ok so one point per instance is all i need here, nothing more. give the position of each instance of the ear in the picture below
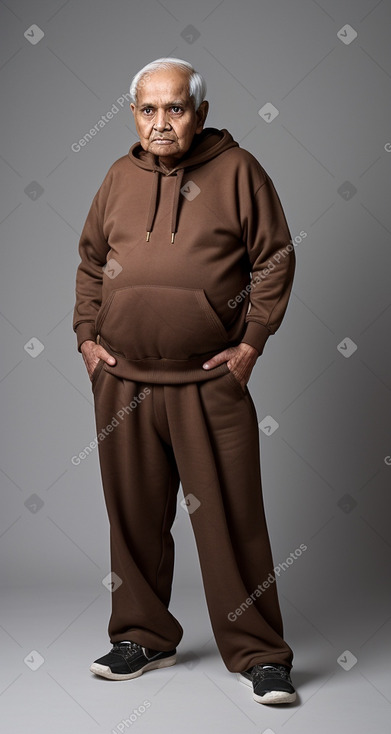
(132, 107)
(201, 115)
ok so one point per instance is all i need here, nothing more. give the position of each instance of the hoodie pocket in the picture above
(96, 373)
(160, 322)
(236, 384)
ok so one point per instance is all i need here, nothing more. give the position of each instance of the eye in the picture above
(147, 110)
(176, 109)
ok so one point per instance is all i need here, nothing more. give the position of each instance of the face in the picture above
(165, 118)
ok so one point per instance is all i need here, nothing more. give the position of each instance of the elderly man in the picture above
(186, 269)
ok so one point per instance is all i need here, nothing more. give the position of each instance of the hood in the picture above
(206, 145)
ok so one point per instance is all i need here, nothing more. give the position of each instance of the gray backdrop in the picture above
(324, 378)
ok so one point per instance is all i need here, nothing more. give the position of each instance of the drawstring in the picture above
(153, 203)
(174, 212)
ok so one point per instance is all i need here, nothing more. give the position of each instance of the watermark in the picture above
(120, 414)
(259, 277)
(268, 112)
(144, 79)
(190, 190)
(101, 123)
(190, 34)
(347, 347)
(347, 34)
(34, 660)
(347, 503)
(347, 660)
(268, 425)
(112, 582)
(124, 724)
(112, 268)
(190, 503)
(34, 503)
(277, 570)
(34, 34)
(33, 347)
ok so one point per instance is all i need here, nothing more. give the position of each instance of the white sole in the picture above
(105, 672)
(271, 696)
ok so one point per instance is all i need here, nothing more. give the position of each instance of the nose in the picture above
(161, 122)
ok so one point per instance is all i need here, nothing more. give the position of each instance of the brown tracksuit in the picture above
(176, 267)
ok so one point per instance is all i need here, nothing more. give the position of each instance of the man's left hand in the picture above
(240, 361)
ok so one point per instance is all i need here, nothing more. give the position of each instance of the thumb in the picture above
(216, 360)
(108, 358)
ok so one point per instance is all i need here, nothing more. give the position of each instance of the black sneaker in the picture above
(129, 660)
(271, 683)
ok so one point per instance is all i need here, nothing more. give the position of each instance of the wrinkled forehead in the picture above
(163, 87)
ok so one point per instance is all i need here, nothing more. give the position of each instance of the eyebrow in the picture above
(177, 102)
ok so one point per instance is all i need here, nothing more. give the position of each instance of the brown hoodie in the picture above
(177, 266)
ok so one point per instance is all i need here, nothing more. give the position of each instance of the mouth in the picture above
(162, 140)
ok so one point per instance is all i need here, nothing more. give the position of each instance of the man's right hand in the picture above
(92, 353)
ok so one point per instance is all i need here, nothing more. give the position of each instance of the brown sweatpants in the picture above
(204, 434)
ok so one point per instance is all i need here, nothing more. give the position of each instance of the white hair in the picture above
(197, 83)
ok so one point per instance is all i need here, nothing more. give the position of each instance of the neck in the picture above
(167, 163)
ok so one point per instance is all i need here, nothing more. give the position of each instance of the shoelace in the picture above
(260, 672)
(130, 647)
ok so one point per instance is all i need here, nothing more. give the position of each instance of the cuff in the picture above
(84, 331)
(256, 335)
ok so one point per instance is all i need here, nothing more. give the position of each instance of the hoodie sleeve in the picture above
(272, 259)
(93, 249)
